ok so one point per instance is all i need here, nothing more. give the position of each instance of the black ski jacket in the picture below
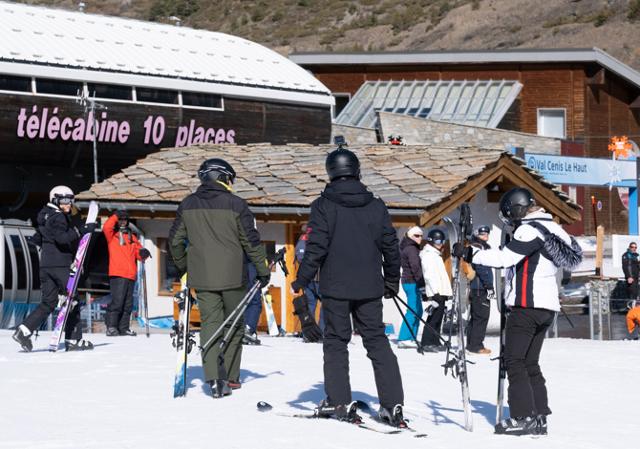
(352, 242)
(60, 237)
(484, 275)
(630, 265)
(410, 262)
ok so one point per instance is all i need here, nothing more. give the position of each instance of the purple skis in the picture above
(72, 283)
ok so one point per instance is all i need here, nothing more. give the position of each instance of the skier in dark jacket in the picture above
(354, 245)
(412, 284)
(212, 230)
(531, 294)
(481, 294)
(58, 235)
(631, 269)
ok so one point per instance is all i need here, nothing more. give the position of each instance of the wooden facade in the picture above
(598, 103)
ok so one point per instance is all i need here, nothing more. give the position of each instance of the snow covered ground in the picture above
(120, 396)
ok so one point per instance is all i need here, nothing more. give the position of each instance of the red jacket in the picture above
(122, 257)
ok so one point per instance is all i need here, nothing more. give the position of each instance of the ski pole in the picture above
(406, 323)
(422, 320)
(278, 259)
(252, 291)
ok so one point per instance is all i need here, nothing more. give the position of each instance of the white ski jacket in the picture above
(531, 275)
(435, 275)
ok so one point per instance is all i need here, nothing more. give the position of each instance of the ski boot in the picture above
(22, 335)
(517, 426)
(128, 333)
(393, 417)
(78, 345)
(250, 338)
(112, 332)
(542, 424)
(340, 412)
(220, 388)
(235, 384)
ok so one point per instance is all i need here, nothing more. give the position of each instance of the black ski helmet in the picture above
(483, 230)
(514, 205)
(436, 236)
(342, 163)
(216, 169)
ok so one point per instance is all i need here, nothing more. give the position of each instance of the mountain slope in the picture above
(388, 25)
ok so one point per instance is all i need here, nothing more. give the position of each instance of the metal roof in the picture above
(39, 41)
(477, 103)
(569, 55)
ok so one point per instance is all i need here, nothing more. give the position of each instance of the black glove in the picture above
(122, 215)
(144, 253)
(464, 252)
(296, 286)
(264, 280)
(35, 239)
(87, 228)
(310, 329)
(391, 289)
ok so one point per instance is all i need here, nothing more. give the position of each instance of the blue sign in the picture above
(583, 170)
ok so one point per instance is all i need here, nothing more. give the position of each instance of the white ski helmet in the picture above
(61, 195)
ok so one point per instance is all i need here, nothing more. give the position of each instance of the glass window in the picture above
(16, 83)
(21, 264)
(157, 95)
(58, 87)
(551, 123)
(202, 100)
(8, 269)
(35, 267)
(110, 91)
(341, 103)
(168, 274)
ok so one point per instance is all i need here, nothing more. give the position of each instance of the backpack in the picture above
(559, 252)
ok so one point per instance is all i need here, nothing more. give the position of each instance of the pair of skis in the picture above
(77, 266)
(457, 234)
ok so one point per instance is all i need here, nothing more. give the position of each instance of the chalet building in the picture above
(70, 79)
(419, 183)
(583, 96)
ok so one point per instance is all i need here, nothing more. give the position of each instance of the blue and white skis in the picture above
(72, 283)
(182, 338)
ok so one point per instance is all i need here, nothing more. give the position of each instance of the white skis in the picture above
(182, 338)
(272, 325)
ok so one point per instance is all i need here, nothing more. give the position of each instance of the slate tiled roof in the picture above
(407, 177)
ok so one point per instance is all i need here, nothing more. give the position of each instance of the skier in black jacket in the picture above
(481, 294)
(354, 245)
(631, 269)
(58, 234)
(412, 284)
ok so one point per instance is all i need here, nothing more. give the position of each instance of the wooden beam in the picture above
(598, 79)
(635, 104)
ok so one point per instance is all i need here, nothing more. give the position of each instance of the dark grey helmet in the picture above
(342, 163)
(216, 169)
(514, 205)
(436, 236)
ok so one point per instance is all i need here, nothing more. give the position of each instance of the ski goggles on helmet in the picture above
(65, 199)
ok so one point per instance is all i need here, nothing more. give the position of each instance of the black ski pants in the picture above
(525, 333)
(367, 318)
(53, 281)
(480, 311)
(434, 320)
(119, 310)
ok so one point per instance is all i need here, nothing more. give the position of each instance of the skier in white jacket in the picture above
(437, 289)
(532, 299)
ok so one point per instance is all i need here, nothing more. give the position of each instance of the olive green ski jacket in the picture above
(207, 239)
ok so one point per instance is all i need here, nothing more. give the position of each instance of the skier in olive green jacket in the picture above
(212, 229)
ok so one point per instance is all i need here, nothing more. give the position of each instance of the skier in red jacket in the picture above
(124, 252)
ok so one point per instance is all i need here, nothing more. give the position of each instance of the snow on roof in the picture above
(566, 55)
(94, 43)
